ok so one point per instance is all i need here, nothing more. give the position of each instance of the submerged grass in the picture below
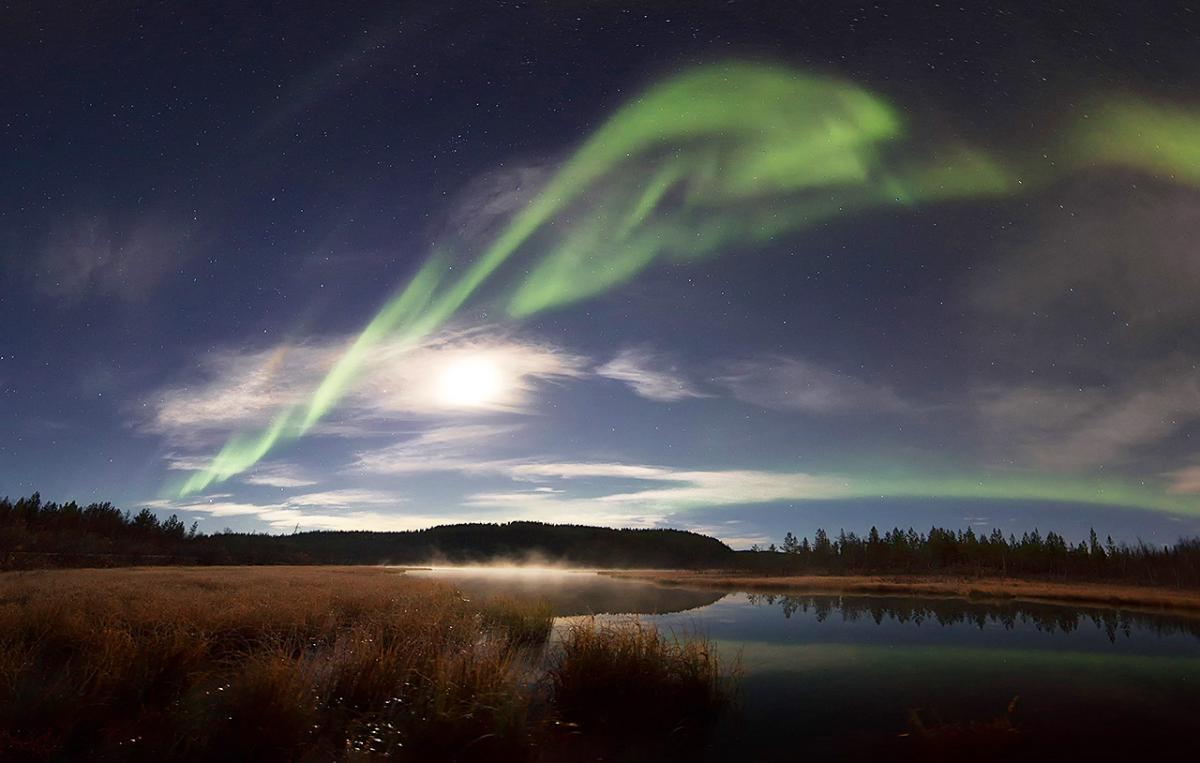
(306, 664)
(929, 738)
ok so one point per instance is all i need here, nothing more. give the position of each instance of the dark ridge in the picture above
(468, 543)
(34, 534)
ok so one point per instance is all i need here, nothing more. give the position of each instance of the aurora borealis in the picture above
(727, 285)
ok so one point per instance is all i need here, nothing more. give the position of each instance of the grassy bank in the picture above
(310, 664)
(1182, 601)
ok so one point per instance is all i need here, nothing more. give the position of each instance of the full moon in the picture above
(471, 382)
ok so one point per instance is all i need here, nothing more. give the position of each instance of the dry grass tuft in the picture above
(626, 682)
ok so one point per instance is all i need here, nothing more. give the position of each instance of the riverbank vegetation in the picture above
(287, 663)
(1133, 597)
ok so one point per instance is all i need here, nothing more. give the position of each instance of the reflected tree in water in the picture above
(1113, 623)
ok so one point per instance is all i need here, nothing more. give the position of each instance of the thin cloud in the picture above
(350, 509)
(596, 493)
(237, 390)
(454, 448)
(471, 451)
(566, 471)
(648, 376)
(1119, 264)
(344, 499)
(788, 383)
(92, 256)
(683, 489)
(186, 463)
(1077, 428)
(325, 514)
(478, 212)
(1095, 294)
(1184, 481)
(274, 475)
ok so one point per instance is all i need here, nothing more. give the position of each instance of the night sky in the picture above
(734, 267)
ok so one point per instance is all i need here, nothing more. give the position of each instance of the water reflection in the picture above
(840, 676)
(1009, 615)
(846, 673)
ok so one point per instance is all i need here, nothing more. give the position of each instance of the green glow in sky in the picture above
(1141, 135)
(1067, 489)
(720, 158)
(724, 158)
(406, 314)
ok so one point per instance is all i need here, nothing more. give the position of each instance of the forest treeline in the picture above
(898, 551)
(34, 533)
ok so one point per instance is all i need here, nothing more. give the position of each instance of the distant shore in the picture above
(1183, 601)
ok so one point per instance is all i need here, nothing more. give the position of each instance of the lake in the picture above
(836, 677)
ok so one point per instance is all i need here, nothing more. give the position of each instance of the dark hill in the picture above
(468, 543)
(34, 533)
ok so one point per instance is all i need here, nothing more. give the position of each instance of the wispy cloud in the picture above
(682, 489)
(234, 389)
(345, 499)
(588, 491)
(789, 383)
(1130, 252)
(583, 470)
(91, 255)
(487, 203)
(455, 448)
(346, 510)
(186, 463)
(1185, 481)
(350, 509)
(649, 376)
(1078, 428)
(274, 475)
(1090, 298)
(469, 450)
(237, 390)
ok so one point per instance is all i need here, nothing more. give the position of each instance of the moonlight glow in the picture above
(471, 382)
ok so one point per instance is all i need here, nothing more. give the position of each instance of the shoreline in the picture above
(1143, 598)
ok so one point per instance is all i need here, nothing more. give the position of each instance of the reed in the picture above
(625, 682)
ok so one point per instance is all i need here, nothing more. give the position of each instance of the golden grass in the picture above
(276, 662)
(623, 682)
(1181, 601)
(279, 663)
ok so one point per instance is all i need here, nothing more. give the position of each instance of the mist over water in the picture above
(571, 592)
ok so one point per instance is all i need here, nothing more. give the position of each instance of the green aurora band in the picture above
(733, 156)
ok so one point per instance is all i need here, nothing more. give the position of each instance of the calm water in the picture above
(834, 677)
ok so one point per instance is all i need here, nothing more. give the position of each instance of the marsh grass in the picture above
(304, 663)
(625, 683)
(280, 663)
